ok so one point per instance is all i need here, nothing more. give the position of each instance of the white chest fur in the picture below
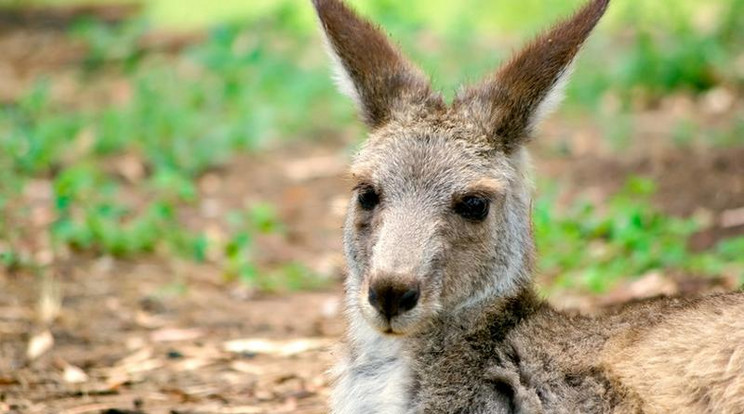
(373, 377)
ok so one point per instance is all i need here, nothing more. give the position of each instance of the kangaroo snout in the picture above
(392, 298)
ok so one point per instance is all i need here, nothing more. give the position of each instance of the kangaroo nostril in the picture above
(372, 297)
(392, 299)
(409, 299)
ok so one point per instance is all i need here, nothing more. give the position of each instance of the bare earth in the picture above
(164, 336)
(153, 336)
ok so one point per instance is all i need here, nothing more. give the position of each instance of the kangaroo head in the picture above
(440, 213)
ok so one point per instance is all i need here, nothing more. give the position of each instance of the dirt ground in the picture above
(155, 336)
(128, 338)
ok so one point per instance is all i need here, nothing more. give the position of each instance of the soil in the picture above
(147, 349)
(101, 335)
(154, 336)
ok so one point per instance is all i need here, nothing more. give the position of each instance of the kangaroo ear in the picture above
(530, 85)
(368, 68)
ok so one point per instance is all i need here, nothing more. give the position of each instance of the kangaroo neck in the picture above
(498, 315)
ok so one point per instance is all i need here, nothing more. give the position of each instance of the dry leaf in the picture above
(732, 218)
(149, 365)
(650, 285)
(175, 334)
(39, 344)
(143, 366)
(718, 101)
(192, 364)
(138, 362)
(130, 167)
(149, 321)
(247, 368)
(281, 348)
(73, 374)
(49, 304)
(137, 357)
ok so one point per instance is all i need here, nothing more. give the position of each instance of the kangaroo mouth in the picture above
(395, 328)
(387, 328)
(391, 332)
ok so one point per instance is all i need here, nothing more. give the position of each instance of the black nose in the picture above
(392, 299)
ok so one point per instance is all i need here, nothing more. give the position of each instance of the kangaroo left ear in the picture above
(530, 85)
(369, 69)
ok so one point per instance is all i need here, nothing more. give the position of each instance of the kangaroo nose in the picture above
(392, 300)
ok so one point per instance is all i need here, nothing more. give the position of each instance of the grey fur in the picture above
(479, 340)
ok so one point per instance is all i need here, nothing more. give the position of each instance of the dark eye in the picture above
(368, 198)
(472, 208)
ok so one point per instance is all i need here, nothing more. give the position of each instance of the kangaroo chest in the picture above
(473, 375)
(376, 379)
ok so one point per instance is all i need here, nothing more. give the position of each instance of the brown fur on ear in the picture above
(510, 103)
(373, 71)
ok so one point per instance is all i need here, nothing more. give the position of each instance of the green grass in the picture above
(234, 93)
(594, 248)
(261, 77)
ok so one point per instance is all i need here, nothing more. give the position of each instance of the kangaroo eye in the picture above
(472, 207)
(368, 198)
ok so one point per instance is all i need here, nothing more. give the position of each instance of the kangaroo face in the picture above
(439, 216)
(428, 225)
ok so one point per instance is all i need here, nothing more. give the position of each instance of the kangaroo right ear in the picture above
(510, 103)
(368, 68)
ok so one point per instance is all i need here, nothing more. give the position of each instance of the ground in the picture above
(144, 344)
(170, 336)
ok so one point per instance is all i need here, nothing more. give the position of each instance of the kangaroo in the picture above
(443, 316)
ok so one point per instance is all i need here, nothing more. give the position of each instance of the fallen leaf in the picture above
(130, 167)
(650, 285)
(271, 347)
(718, 101)
(138, 362)
(732, 218)
(74, 375)
(175, 334)
(144, 366)
(137, 357)
(192, 364)
(149, 321)
(49, 304)
(247, 368)
(39, 344)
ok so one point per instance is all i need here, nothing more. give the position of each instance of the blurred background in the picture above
(172, 184)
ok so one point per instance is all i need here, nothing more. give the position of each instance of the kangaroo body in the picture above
(521, 356)
(442, 312)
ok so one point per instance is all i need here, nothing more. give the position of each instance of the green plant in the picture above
(184, 115)
(594, 248)
(256, 81)
(240, 250)
(108, 44)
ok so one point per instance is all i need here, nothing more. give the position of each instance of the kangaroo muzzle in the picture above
(392, 297)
